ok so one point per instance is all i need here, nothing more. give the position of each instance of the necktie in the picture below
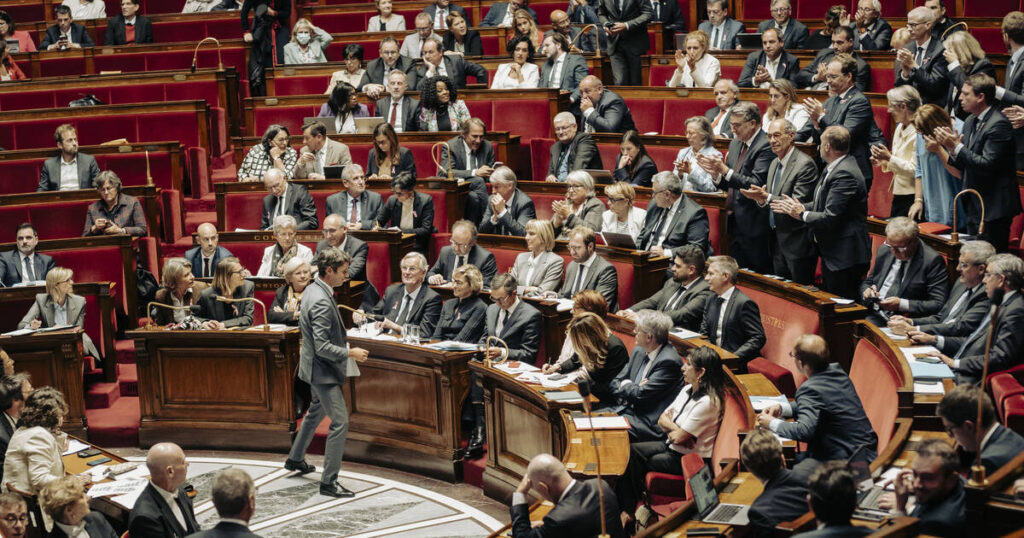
(657, 9)
(718, 119)
(29, 270)
(918, 55)
(1012, 70)
(403, 313)
(743, 155)
(955, 311)
(974, 336)
(578, 285)
(459, 262)
(394, 113)
(206, 267)
(441, 15)
(502, 318)
(354, 214)
(383, 28)
(319, 161)
(640, 372)
(891, 287)
(556, 75)
(714, 39)
(771, 189)
(652, 241)
(719, 330)
(280, 207)
(675, 298)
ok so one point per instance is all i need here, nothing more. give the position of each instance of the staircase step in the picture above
(93, 375)
(194, 218)
(128, 379)
(102, 395)
(115, 426)
(125, 350)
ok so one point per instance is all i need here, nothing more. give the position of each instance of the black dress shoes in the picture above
(301, 466)
(336, 490)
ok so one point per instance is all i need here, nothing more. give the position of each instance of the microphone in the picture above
(192, 309)
(978, 470)
(583, 385)
(367, 315)
(437, 160)
(266, 323)
(586, 30)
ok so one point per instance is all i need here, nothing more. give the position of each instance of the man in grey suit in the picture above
(793, 32)
(684, 296)
(726, 94)
(470, 158)
(625, 22)
(412, 45)
(208, 254)
(285, 198)
(356, 205)
(562, 69)
(921, 62)
(959, 413)
(720, 27)
(324, 364)
(24, 264)
(792, 173)
(508, 209)
(573, 150)
(463, 251)
(456, 68)
(70, 170)
(965, 307)
(770, 63)
(673, 219)
(603, 110)
(502, 13)
(409, 301)
(588, 270)
(234, 496)
(336, 236)
(399, 109)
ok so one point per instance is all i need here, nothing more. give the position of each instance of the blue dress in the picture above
(938, 186)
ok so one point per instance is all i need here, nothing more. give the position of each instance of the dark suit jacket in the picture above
(837, 531)
(518, 211)
(795, 36)
(957, 76)
(574, 69)
(116, 31)
(575, 516)
(798, 180)
(460, 168)
(602, 379)
(730, 27)
(988, 164)
(165, 316)
(375, 72)
(478, 256)
(946, 516)
(471, 41)
(751, 219)
(1007, 344)
(689, 226)
(467, 325)
(226, 529)
(406, 163)
(496, 13)
(784, 498)
(601, 276)
(457, 68)
(805, 78)
(297, 202)
(369, 205)
(836, 219)
(965, 319)
(211, 308)
(1014, 95)
(410, 111)
(95, 524)
(878, 37)
(712, 113)
(925, 280)
(931, 78)
(854, 113)
(644, 398)
(78, 35)
(49, 175)
(194, 256)
(611, 115)
(1003, 445)
(830, 417)
(743, 333)
(669, 15)
(425, 310)
(636, 14)
(390, 214)
(152, 517)
(10, 266)
(689, 309)
(640, 175)
(357, 249)
(521, 331)
(788, 68)
(583, 154)
(431, 10)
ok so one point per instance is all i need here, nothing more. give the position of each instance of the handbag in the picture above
(87, 100)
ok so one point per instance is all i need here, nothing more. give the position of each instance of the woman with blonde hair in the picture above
(297, 274)
(462, 316)
(307, 45)
(939, 181)
(58, 307)
(228, 281)
(524, 25)
(64, 500)
(538, 269)
(180, 288)
(601, 354)
(966, 58)
(622, 217)
(783, 104)
(907, 195)
(695, 68)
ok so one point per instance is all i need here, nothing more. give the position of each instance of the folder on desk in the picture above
(600, 423)
(562, 395)
(924, 370)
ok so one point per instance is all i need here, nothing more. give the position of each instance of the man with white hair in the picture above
(871, 32)
(909, 277)
(164, 509)
(792, 32)
(357, 206)
(408, 302)
(673, 219)
(921, 62)
(577, 509)
(284, 198)
(336, 235)
(966, 304)
(463, 251)
(234, 496)
(508, 208)
(573, 149)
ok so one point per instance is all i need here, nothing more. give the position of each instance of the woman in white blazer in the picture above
(696, 68)
(540, 269)
(59, 306)
(622, 217)
(907, 186)
(521, 72)
(385, 20)
(34, 452)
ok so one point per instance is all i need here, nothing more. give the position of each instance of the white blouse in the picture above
(394, 24)
(797, 115)
(699, 418)
(344, 76)
(903, 163)
(634, 222)
(704, 74)
(96, 9)
(502, 80)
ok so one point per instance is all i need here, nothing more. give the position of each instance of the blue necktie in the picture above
(771, 189)
(974, 336)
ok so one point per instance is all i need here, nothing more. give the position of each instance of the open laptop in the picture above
(333, 172)
(328, 123)
(749, 41)
(868, 492)
(367, 125)
(709, 508)
(601, 177)
(619, 240)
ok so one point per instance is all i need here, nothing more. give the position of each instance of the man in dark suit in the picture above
(732, 321)
(813, 77)
(70, 169)
(502, 13)
(462, 251)
(358, 206)
(909, 277)
(562, 69)
(375, 80)
(153, 514)
(440, 9)
(684, 296)
(832, 496)
(13, 391)
(336, 235)
(129, 27)
(667, 12)
(24, 264)
(828, 413)
(588, 270)
(409, 301)
(836, 219)
(726, 93)
(625, 21)
(436, 62)
(561, 25)
(573, 150)
(650, 381)
(720, 27)
(769, 63)
(65, 34)
(577, 509)
(287, 199)
(941, 26)
(470, 158)
(508, 209)
(958, 410)
(872, 32)
(939, 497)
(784, 497)
(399, 109)
(793, 32)
(1012, 93)
(793, 174)
(673, 220)
(234, 496)
(745, 166)
(208, 254)
(325, 363)
(920, 62)
(603, 110)
(403, 185)
(985, 157)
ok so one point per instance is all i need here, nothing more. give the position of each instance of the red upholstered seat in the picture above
(243, 210)
(991, 39)
(882, 80)
(778, 375)
(663, 156)
(1004, 384)
(714, 231)
(647, 114)
(990, 8)
(609, 155)
(783, 323)
(660, 74)
(521, 117)
(732, 72)
(877, 383)
(1013, 413)
(665, 491)
(677, 111)
(880, 197)
(734, 421)
(540, 157)
(299, 85)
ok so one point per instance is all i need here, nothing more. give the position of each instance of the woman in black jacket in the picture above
(601, 354)
(460, 39)
(962, 47)
(634, 166)
(462, 317)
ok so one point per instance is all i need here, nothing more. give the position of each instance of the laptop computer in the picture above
(868, 492)
(367, 125)
(749, 41)
(709, 509)
(601, 177)
(333, 172)
(619, 240)
(328, 123)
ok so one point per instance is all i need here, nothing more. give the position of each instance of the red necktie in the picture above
(394, 112)
(354, 217)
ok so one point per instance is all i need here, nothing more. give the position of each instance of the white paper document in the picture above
(564, 305)
(684, 333)
(928, 388)
(118, 488)
(515, 367)
(761, 403)
(74, 445)
(893, 336)
(19, 332)
(601, 423)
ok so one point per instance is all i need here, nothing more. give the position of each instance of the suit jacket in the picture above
(751, 219)
(988, 165)
(573, 516)
(931, 78)
(574, 69)
(406, 163)
(44, 308)
(1014, 95)
(78, 35)
(390, 214)
(793, 38)
(636, 14)
(6, 431)
(484, 155)
(457, 68)
(518, 211)
(165, 316)
(337, 155)
(854, 113)
(925, 280)
(640, 175)
(788, 68)
(1007, 344)
(830, 417)
(547, 276)
(496, 14)
(375, 72)
(369, 205)
(357, 249)
(610, 115)
(425, 309)
(836, 220)
(1003, 445)
(644, 398)
(95, 524)
(798, 180)
(431, 10)
(668, 14)
(965, 319)
(472, 44)
(601, 276)
(323, 355)
(521, 331)
(689, 226)
(478, 256)
(784, 498)
(226, 529)
(194, 256)
(49, 175)
(410, 111)
(730, 28)
(585, 43)
(590, 216)
(957, 77)
(837, 531)
(603, 378)
(743, 333)
(462, 320)
(116, 31)
(583, 154)
(713, 112)
(689, 309)
(946, 516)
(10, 266)
(297, 202)
(805, 78)
(211, 308)
(878, 37)
(151, 515)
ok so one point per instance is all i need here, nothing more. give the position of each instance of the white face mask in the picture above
(302, 38)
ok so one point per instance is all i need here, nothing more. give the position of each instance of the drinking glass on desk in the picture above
(411, 334)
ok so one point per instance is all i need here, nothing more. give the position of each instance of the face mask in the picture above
(302, 38)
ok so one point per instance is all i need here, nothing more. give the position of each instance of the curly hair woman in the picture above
(440, 106)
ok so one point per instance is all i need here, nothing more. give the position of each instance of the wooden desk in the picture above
(950, 250)
(241, 400)
(54, 359)
(997, 515)
(580, 456)
(73, 465)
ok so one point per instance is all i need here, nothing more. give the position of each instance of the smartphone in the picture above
(88, 453)
(497, 164)
(100, 461)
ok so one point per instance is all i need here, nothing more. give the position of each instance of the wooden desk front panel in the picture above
(53, 359)
(232, 380)
(526, 432)
(375, 409)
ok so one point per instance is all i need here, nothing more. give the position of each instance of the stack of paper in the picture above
(761, 403)
(929, 387)
(567, 396)
(74, 445)
(564, 305)
(893, 336)
(452, 345)
(515, 367)
(925, 370)
(684, 333)
(601, 423)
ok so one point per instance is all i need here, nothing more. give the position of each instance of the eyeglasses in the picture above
(896, 248)
(11, 518)
(616, 200)
(913, 25)
(572, 187)
(780, 10)
(457, 244)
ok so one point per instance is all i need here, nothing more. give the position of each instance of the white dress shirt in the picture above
(704, 74)
(721, 314)
(556, 71)
(504, 81)
(68, 174)
(169, 498)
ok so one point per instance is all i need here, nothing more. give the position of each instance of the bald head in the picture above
(167, 466)
(548, 476)
(812, 351)
(208, 239)
(559, 18)
(334, 230)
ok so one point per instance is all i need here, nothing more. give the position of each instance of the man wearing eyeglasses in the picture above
(871, 31)
(794, 33)
(13, 516)
(408, 302)
(813, 77)
(921, 62)
(573, 150)
(673, 219)
(463, 251)
(909, 277)
(355, 204)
